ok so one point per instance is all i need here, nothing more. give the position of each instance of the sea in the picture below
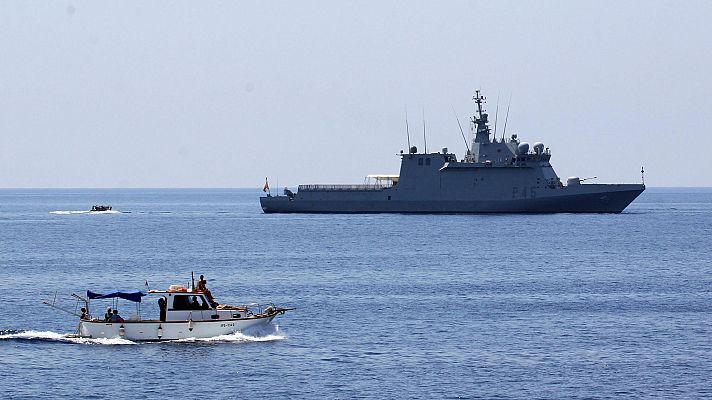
(390, 306)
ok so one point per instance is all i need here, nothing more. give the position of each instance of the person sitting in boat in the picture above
(204, 289)
(84, 315)
(108, 315)
(116, 317)
(194, 303)
(201, 284)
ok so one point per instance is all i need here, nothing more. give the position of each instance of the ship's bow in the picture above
(601, 198)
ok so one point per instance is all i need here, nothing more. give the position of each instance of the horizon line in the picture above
(234, 187)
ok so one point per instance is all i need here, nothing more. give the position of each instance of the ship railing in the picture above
(362, 187)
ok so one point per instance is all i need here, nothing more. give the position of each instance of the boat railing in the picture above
(259, 308)
(362, 187)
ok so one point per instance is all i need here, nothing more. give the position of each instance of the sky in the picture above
(225, 93)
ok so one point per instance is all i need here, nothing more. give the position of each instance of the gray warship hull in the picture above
(497, 175)
(589, 198)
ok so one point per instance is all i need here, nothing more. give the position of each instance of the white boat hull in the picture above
(170, 330)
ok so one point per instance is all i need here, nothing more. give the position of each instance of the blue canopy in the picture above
(130, 296)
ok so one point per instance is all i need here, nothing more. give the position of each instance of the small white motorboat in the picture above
(184, 314)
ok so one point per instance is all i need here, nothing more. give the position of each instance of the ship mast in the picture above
(482, 131)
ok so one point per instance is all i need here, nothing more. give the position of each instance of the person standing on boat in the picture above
(162, 303)
(108, 315)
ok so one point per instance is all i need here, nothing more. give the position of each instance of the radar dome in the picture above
(538, 147)
(413, 150)
(523, 148)
(444, 150)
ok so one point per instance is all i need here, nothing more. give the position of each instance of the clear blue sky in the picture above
(222, 94)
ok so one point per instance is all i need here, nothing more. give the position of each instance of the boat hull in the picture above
(170, 330)
(589, 198)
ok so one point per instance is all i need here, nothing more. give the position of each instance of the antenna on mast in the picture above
(407, 132)
(496, 114)
(425, 142)
(507, 117)
(461, 131)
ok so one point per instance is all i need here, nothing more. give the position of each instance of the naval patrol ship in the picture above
(495, 176)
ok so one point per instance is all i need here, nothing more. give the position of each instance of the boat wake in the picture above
(263, 335)
(49, 336)
(60, 212)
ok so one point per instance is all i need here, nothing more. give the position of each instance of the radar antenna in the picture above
(642, 175)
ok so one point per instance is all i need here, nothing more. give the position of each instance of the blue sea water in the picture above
(388, 306)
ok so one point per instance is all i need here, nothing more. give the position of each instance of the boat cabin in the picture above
(184, 305)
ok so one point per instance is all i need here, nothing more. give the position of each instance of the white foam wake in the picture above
(49, 336)
(265, 334)
(68, 212)
(235, 337)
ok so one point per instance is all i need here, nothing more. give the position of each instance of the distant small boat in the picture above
(101, 208)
